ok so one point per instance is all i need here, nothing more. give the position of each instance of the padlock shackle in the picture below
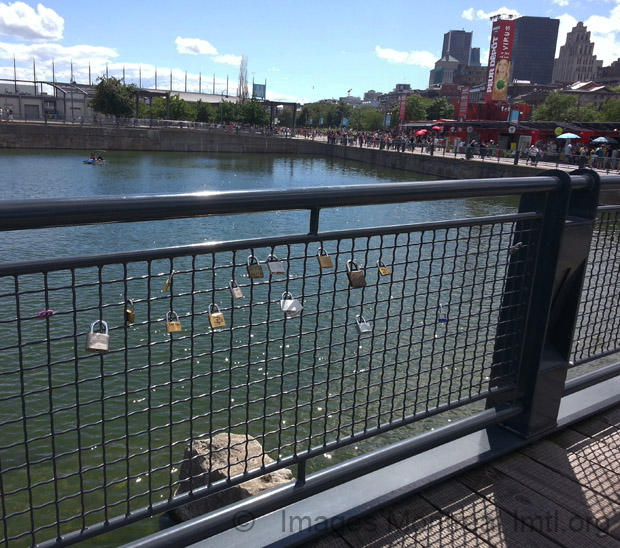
(287, 296)
(131, 304)
(170, 314)
(213, 307)
(360, 319)
(351, 263)
(102, 324)
(252, 260)
(322, 253)
(232, 284)
(380, 263)
(272, 259)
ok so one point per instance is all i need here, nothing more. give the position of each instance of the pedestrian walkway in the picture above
(561, 491)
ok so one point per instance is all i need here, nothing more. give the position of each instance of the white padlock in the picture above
(290, 306)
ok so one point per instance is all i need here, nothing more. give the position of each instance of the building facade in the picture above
(576, 61)
(533, 50)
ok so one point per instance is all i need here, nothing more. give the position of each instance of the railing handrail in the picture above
(48, 213)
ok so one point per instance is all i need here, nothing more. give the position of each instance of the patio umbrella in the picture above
(568, 136)
(421, 132)
(437, 128)
(609, 140)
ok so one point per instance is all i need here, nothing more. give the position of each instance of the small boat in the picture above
(96, 157)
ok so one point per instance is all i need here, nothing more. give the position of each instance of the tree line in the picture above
(561, 107)
(113, 98)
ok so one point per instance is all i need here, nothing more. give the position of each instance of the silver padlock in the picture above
(98, 341)
(275, 265)
(290, 306)
(235, 290)
(362, 325)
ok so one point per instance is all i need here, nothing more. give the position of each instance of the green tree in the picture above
(416, 108)
(113, 98)
(371, 119)
(181, 109)
(252, 111)
(439, 108)
(558, 107)
(228, 112)
(205, 112)
(610, 111)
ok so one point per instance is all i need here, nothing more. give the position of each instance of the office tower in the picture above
(533, 49)
(576, 62)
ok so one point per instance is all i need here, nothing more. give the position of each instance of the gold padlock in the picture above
(168, 282)
(130, 315)
(173, 325)
(216, 318)
(356, 276)
(325, 261)
(384, 270)
(255, 270)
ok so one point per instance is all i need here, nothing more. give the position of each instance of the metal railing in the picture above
(338, 338)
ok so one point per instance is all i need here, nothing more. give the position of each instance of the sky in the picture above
(303, 51)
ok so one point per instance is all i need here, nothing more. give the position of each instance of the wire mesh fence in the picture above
(304, 346)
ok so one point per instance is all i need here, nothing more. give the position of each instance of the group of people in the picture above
(602, 156)
(8, 112)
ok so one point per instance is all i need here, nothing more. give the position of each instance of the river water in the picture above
(50, 174)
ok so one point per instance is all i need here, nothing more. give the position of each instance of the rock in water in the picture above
(218, 458)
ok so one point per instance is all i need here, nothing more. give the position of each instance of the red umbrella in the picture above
(437, 128)
(421, 132)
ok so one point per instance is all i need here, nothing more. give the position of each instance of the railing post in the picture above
(547, 331)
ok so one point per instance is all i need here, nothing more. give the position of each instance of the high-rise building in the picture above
(533, 49)
(576, 62)
(457, 44)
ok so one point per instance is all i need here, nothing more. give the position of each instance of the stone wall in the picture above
(76, 137)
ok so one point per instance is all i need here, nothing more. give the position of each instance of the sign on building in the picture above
(259, 91)
(500, 56)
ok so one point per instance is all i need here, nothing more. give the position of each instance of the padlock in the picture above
(255, 270)
(290, 306)
(235, 290)
(216, 318)
(325, 261)
(362, 325)
(98, 341)
(356, 276)
(442, 317)
(384, 270)
(173, 325)
(130, 315)
(168, 282)
(275, 265)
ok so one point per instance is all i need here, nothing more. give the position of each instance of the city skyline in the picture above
(303, 56)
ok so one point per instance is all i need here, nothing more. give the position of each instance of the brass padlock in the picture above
(168, 282)
(275, 265)
(216, 318)
(98, 341)
(362, 325)
(173, 324)
(325, 261)
(384, 270)
(356, 276)
(235, 290)
(255, 270)
(290, 306)
(130, 315)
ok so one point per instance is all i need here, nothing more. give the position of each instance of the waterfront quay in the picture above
(369, 360)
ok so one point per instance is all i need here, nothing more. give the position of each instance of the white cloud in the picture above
(562, 3)
(22, 21)
(194, 46)
(604, 32)
(273, 69)
(424, 59)
(480, 15)
(234, 60)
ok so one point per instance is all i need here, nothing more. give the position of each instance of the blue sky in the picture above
(305, 52)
